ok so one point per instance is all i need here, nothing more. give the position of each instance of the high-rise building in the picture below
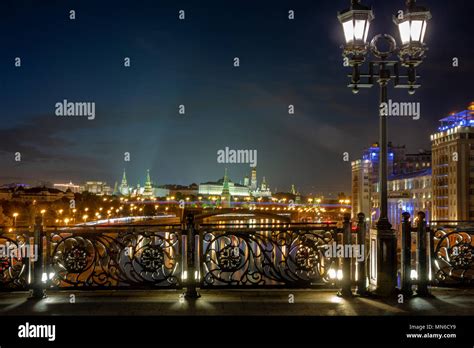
(372, 154)
(361, 188)
(365, 175)
(453, 167)
(409, 192)
(369, 165)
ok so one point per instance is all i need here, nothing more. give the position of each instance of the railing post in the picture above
(406, 284)
(361, 265)
(422, 288)
(431, 253)
(39, 292)
(191, 292)
(345, 290)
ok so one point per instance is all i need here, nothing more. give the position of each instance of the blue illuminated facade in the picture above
(460, 119)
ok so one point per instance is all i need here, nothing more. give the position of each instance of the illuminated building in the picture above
(296, 194)
(225, 195)
(253, 179)
(415, 162)
(237, 190)
(99, 188)
(453, 167)
(176, 190)
(149, 190)
(124, 190)
(365, 176)
(361, 188)
(412, 193)
(212, 188)
(40, 194)
(365, 172)
(70, 186)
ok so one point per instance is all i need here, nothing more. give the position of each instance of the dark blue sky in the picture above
(191, 62)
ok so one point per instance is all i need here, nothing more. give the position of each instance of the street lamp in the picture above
(15, 215)
(412, 25)
(355, 22)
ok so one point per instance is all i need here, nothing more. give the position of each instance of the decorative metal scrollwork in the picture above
(152, 258)
(13, 266)
(306, 258)
(453, 256)
(75, 259)
(145, 257)
(229, 258)
(259, 258)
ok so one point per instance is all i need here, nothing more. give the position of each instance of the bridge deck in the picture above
(233, 302)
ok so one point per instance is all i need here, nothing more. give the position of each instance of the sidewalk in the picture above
(450, 302)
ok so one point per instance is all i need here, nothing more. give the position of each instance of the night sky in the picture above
(190, 62)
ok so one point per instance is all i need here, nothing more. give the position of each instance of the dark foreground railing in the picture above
(452, 251)
(195, 255)
(292, 256)
(142, 256)
(442, 256)
(15, 270)
(188, 255)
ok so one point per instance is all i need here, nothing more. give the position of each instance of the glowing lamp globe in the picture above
(355, 23)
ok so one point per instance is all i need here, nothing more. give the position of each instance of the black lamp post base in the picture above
(37, 294)
(423, 293)
(192, 295)
(386, 256)
(345, 293)
(383, 224)
(363, 292)
(406, 292)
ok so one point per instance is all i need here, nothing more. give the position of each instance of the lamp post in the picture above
(412, 24)
(15, 215)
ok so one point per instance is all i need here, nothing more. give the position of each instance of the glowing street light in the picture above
(15, 215)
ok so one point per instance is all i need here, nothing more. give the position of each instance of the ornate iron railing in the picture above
(452, 253)
(271, 256)
(188, 255)
(115, 257)
(14, 260)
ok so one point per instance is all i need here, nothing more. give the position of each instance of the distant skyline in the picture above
(190, 62)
